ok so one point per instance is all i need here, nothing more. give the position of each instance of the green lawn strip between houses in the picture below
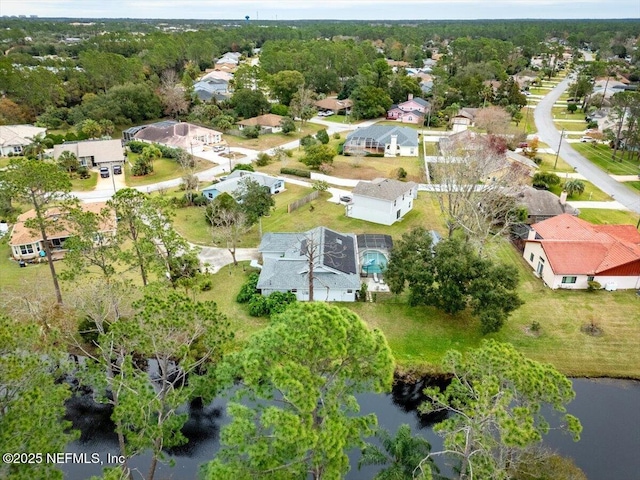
(600, 155)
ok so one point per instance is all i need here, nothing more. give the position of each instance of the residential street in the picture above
(549, 134)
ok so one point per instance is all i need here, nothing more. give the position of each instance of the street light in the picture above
(558, 152)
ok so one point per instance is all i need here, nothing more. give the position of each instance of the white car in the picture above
(586, 139)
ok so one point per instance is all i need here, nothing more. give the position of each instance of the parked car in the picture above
(219, 148)
(523, 145)
(586, 139)
(345, 198)
(104, 172)
(117, 169)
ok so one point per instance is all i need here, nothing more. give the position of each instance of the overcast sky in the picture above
(326, 9)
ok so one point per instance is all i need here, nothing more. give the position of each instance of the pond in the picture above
(608, 409)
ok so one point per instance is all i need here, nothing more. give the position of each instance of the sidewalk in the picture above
(610, 205)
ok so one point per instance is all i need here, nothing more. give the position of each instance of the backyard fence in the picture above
(302, 201)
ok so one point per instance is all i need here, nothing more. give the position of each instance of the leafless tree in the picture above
(173, 94)
(228, 225)
(495, 120)
(471, 180)
(318, 252)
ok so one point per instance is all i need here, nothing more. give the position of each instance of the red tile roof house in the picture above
(411, 111)
(567, 252)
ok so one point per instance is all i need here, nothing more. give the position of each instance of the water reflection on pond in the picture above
(608, 409)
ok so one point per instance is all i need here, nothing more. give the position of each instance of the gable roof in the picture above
(420, 101)
(574, 246)
(104, 149)
(235, 180)
(11, 135)
(407, 137)
(383, 188)
(267, 120)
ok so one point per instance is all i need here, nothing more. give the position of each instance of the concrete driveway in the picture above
(213, 259)
(550, 135)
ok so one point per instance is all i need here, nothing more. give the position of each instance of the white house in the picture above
(234, 181)
(567, 252)
(382, 200)
(13, 138)
(382, 139)
(92, 153)
(287, 257)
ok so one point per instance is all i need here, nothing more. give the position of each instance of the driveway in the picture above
(213, 259)
(548, 133)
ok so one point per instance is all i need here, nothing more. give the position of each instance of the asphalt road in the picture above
(549, 134)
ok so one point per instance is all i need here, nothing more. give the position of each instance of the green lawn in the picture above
(591, 192)
(609, 217)
(570, 126)
(163, 169)
(549, 161)
(85, 185)
(561, 113)
(600, 155)
(635, 185)
(271, 140)
(4, 161)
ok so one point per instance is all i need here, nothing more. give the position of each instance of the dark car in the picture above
(104, 172)
(345, 198)
(117, 169)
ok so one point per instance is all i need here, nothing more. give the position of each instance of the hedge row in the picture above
(296, 171)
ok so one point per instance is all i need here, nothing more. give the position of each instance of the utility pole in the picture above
(558, 152)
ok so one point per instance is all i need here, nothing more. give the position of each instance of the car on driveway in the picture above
(117, 169)
(345, 198)
(104, 172)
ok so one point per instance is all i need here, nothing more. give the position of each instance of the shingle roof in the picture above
(21, 235)
(336, 263)
(383, 188)
(101, 150)
(407, 137)
(268, 120)
(574, 246)
(261, 178)
(540, 202)
(18, 134)
(334, 104)
(176, 135)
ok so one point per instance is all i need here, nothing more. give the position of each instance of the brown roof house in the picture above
(334, 105)
(180, 135)
(541, 204)
(269, 123)
(382, 200)
(567, 252)
(26, 244)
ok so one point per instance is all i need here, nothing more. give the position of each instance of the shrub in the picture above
(401, 173)
(199, 200)
(535, 326)
(206, 285)
(307, 141)
(326, 168)
(362, 293)
(277, 302)
(244, 166)
(248, 289)
(258, 306)
(592, 124)
(295, 171)
(136, 146)
(336, 135)
(83, 172)
(141, 167)
(545, 180)
(323, 137)
(251, 132)
(537, 160)
(263, 159)
(572, 107)
(592, 286)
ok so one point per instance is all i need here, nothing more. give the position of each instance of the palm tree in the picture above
(39, 143)
(68, 161)
(574, 186)
(403, 453)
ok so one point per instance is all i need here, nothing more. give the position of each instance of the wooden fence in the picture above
(302, 201)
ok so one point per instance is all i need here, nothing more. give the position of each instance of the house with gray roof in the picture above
(540, 204)
(388, 140)
(179, 135)
(93, 153)
(129, 133)
(287, 258)
(209, 88)
(235, 182)
(382, 200)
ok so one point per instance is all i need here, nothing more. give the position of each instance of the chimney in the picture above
(563, 198)
(410, 96)
(392, 147)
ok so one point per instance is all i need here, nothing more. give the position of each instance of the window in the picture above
(569, 280)
(398, 214)
(531, 257)
(590, 278)
(17, 149)
(294, 290)
(26, 249)
(349, 291)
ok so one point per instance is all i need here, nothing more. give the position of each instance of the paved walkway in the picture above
(626, 178)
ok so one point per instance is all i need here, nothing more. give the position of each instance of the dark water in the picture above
(608, 409)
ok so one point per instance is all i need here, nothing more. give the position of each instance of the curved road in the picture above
(549, 134)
